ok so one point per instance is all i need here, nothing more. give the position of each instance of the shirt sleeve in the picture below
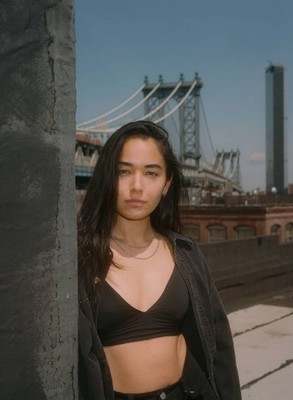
(225, 373)
(225, 369)
(93, 371)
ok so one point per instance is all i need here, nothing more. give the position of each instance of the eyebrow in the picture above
(128, 164)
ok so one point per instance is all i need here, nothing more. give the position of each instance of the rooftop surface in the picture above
(263, 339)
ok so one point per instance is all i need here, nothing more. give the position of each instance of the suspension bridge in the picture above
(178, 107)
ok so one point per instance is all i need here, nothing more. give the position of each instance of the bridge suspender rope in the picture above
(80, 125)
(110, 130)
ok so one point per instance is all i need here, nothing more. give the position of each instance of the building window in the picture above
(217, 233)
(192, 231)
(244, 231)
(275, 229)
(289, 232)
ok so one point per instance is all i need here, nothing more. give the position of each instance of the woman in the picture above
(152, 325)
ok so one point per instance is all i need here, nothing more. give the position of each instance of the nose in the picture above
(136, 183)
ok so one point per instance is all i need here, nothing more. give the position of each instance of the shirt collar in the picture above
(174, 236)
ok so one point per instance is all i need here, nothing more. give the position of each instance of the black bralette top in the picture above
(118, 322)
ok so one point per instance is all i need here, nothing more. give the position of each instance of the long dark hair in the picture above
(97, 214)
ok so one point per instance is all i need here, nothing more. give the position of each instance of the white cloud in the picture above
(257, 157)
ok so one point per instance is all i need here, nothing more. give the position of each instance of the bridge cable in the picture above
(102, 130)
(178, 104)
(111, 130)
(157, 108)
(113, 109)
(207, 126)
(165, 101)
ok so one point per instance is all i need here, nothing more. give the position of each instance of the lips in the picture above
(135, 202)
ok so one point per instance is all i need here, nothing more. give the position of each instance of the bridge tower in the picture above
(187, 96)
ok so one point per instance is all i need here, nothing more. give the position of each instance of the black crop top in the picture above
(118, 322)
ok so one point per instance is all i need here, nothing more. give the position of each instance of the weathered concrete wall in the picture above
(38, 282)
(249, 267)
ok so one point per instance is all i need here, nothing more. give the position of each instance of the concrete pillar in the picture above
(38, 279)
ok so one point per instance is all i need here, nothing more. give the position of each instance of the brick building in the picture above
(216, 222)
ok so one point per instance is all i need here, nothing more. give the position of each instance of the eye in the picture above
(124, 171)
(152, 173)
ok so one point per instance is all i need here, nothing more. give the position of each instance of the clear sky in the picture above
(228, 42)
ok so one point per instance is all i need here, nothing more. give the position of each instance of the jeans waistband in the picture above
(154, 395)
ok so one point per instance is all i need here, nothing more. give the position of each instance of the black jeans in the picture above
(173, 392)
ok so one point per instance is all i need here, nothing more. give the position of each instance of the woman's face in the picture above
(142, 179)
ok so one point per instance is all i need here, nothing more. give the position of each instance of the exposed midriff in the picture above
(146, 365)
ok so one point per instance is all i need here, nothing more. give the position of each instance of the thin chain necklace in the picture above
(133, 256)
(132, 246)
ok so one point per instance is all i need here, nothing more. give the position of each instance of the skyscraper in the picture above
(275, 149)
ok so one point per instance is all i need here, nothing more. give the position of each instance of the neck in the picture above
(133, 232)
